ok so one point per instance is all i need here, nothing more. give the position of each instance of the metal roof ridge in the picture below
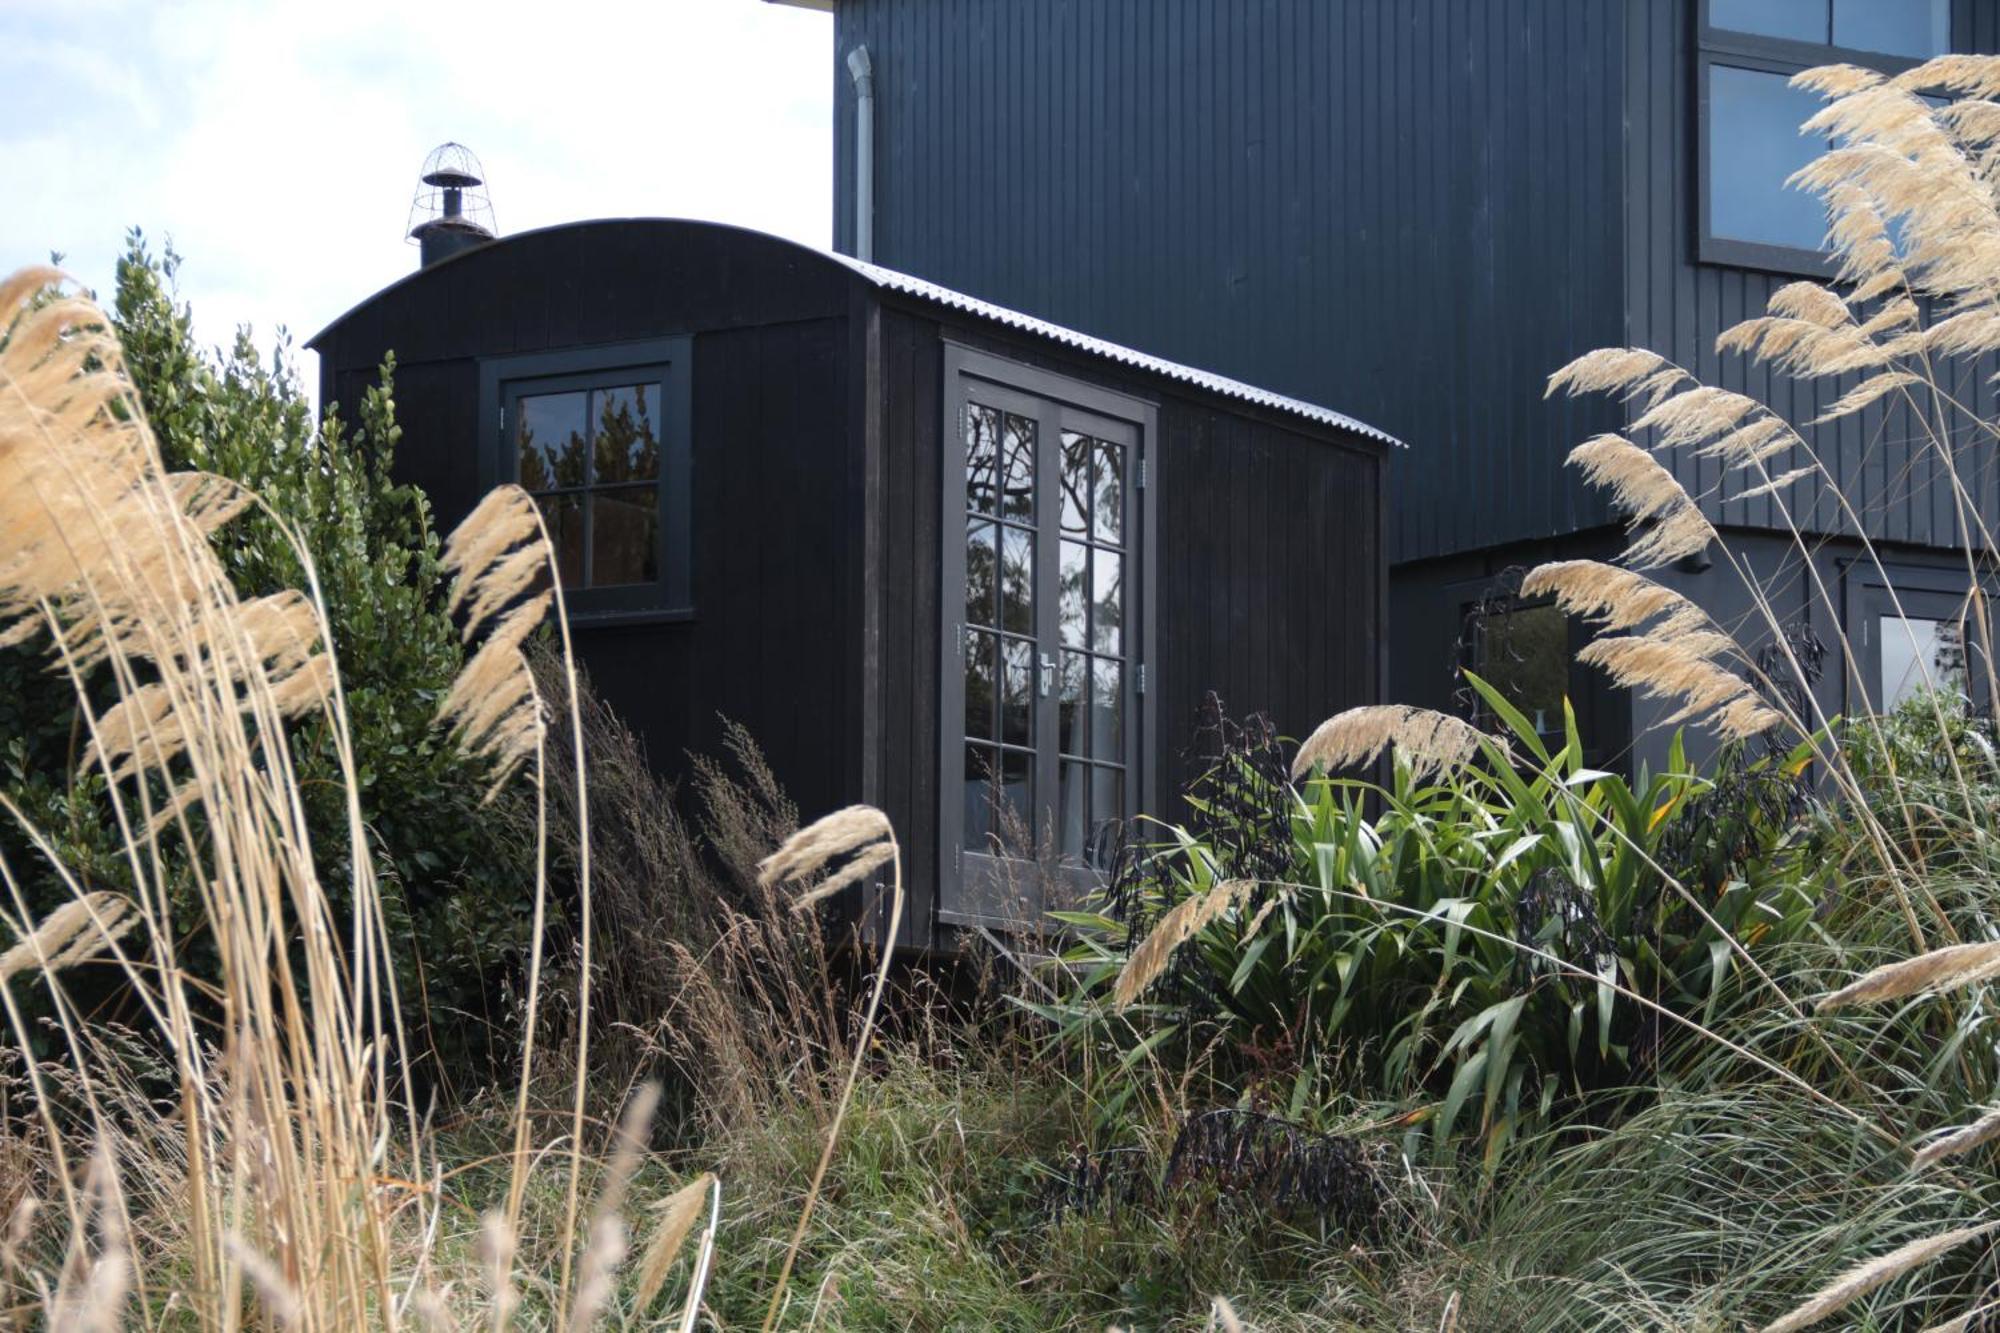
(910, 285)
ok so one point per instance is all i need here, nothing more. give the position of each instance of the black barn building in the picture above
(1419, 209)
(973, 568)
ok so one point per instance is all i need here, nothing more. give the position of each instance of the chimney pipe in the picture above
(863, 72)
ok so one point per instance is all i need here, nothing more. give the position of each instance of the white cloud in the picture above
(278, 144)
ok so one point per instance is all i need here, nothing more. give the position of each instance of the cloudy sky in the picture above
(277, 143)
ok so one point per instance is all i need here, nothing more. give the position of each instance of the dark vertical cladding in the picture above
(770, 455)
(1407, 208)
(816, 605)
(1268, 576)
(1879, 459)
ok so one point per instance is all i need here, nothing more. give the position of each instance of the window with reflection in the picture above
(600, 438)
(1750, 114)
(1918, 653)
(1521, 649)
(591, 459)
(1044, 615)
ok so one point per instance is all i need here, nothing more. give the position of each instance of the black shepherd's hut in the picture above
(935, 555)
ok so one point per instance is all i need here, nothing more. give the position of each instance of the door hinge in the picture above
(1139, 678)
(1144, 469)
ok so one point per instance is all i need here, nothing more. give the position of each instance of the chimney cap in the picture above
(451, 196)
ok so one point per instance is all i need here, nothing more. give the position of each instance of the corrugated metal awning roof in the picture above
(1203, 379)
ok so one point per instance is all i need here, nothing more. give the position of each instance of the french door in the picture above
(1044, 650)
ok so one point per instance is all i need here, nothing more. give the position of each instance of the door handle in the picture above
(1048, 675)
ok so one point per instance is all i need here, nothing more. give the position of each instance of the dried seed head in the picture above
(678, 1212)
(1432, 742)
(1673, 526)
(1614, 598)
(1954, 965)
(1178, 926)
(1606, 369)
(1961, 1140)
(816, 846)
(1863, 1278)
(73, 933)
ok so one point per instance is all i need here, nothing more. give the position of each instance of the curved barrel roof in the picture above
(906, 285)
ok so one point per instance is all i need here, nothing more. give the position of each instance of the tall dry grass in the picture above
(247, 1154)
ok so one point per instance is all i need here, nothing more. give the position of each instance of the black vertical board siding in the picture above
(1408, 209)
(1268, 544)
(905, 644)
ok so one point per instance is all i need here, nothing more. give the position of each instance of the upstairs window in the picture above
(599, 438)
(1750, 115)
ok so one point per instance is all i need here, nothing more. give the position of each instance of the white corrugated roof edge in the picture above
(1220, 384)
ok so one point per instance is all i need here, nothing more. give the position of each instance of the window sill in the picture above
(1785, 259)
(581, 619)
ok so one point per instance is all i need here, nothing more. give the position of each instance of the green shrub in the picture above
(1490, 941)
(459, 896)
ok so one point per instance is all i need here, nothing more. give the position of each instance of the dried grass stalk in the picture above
(1432, 742)
(1863, 1278)
(1181, 924)
(76, 931)
(1954, 965)
(678, 1212)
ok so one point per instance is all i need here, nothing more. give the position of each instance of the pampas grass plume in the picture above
(74, 932)
(1433, 742)
(1863, 1278)
(1961, 1140)
(678, 1212)
(814, 847)
(1176, 928)
(1954, 965)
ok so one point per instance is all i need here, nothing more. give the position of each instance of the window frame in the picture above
(1770, 55)
(1064, 403)
(504, 380)
(1477, 618)
(1921, 590)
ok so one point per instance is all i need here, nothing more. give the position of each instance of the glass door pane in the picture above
(1093, 612)
(1000, 659)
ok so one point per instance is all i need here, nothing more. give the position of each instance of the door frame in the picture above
(1061, 401)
